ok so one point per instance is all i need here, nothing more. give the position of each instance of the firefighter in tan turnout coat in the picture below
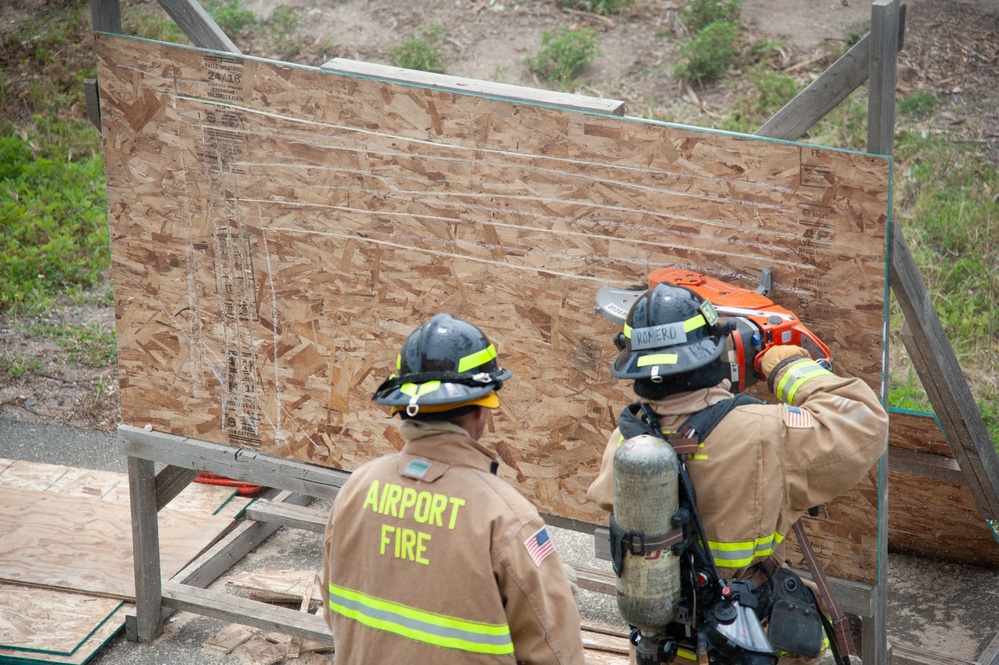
(763, 465)
(428, 556)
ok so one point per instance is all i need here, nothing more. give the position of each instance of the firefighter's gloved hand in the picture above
(570, 574)
(775, 355)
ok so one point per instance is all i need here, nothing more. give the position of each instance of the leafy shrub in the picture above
(699, 14)
(53, 226)
(707, 55)
(425, 53)
(564, 55)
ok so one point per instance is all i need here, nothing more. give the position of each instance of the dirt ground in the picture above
(951, 49)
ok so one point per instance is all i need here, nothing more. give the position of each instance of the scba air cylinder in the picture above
(646, 472)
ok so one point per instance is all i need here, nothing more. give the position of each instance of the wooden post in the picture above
(881, 141)
(145, 549)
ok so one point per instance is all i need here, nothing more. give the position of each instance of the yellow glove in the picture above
(776, 354)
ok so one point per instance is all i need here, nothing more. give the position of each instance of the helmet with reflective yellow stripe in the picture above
(444, 364)
(669, 331)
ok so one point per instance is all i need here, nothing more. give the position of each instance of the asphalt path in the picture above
(945, 608)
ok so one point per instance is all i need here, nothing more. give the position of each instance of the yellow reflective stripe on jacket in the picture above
(414, 390)
(739, 554)
(797, 375)
(436, 629)
(473, 360)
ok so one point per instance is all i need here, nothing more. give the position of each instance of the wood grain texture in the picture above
(82, 654)
(278, 230)
(85, 544)
(37, 624)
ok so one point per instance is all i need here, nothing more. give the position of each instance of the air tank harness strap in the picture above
(632, 422)
(637, 543)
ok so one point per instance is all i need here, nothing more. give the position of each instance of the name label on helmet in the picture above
(668, 334)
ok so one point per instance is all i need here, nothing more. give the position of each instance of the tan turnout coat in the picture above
(428, 560)
(764, 466)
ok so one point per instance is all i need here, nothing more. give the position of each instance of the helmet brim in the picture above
(667, 361)
(445, 393)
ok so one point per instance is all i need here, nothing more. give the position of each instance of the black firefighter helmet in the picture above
(445, 364)
(671, 334)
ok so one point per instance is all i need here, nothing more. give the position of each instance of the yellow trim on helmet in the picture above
(657, 359)
(476, 359)
(489, 401)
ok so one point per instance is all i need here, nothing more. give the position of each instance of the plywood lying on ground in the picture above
(112, 487)
(102, 630)
(85, 544)
(278, 230)
(38, 622)
(51, 625)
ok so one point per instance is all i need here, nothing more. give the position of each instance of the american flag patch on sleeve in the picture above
(798, 418)
(539, 546)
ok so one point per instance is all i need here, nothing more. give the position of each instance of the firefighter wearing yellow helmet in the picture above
(754, 467)
(428, 556)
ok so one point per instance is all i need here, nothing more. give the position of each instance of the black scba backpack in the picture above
(785, 606)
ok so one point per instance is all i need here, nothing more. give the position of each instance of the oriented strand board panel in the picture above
(278, 230)
(933, 517)
(103, 630)
(85, 544)
(49, 622)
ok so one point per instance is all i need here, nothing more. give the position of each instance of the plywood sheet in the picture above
(49, 622)
(85, 544)
(102, 632)
(113, 487)
(278, 230)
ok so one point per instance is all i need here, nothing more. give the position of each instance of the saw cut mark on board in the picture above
(265, 288)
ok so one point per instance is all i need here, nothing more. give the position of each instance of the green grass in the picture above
(424, 53)
(563, 55)
(16, 366)
(83, 344)
(602, 7)
(699, 14)
(230, 15)
(768, 91)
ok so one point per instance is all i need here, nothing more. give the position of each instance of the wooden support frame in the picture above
(873, 58)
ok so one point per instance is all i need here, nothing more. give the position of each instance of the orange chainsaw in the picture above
(754, 321)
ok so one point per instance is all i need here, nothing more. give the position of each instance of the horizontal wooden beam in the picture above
(907, 654)
(592, 579)
(284, 514)
(246, 612)
(265, 470)
(505, 91)
(917, 463)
